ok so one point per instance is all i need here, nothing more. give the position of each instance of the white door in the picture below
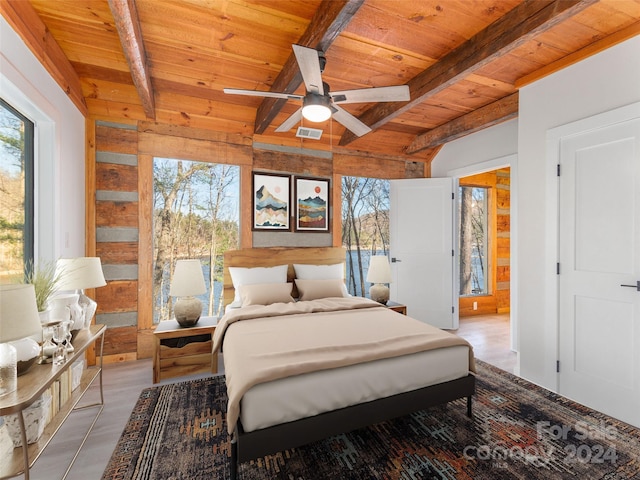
(599, 317)
(421, 230)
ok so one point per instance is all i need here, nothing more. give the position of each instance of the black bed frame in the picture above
(247, 446)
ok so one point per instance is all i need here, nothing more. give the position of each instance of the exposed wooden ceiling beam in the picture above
(127, 23)
(492, 114)
(25, 21)
(518, 26)
(331, 18)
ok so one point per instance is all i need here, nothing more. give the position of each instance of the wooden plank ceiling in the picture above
(464, 60)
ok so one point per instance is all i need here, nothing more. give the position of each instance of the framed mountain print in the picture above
(271, 201)
(312, 204)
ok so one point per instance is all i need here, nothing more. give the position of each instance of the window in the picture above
(16, 192)
(195, 217)
(473, 245)
(365, 227)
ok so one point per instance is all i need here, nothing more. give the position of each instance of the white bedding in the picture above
(309, 394)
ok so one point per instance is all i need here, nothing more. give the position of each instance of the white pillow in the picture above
(252, 276)
(319, 272)
(322, 272)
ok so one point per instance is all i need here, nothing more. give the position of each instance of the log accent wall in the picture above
(123, 189)
(117, 234)
(498, 300)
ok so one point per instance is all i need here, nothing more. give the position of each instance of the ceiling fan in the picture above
(319, 103)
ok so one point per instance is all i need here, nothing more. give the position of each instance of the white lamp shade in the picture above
(379, 270)
(18, 312)
(80, 273)
(187, 279)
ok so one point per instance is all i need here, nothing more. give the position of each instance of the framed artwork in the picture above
(271, 201)
(312, 204)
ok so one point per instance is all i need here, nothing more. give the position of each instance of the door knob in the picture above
(636, 286)
(395, 260)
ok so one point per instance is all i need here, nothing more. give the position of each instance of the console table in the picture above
(33, 384)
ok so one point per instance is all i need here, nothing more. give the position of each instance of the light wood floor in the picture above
(123, 383)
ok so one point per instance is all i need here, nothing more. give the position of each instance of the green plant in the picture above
(44, 279)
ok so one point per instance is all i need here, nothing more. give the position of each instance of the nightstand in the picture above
(179, 350)
(397, 307)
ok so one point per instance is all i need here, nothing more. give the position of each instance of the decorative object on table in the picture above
(271, 200)
(45, 279)
(379, 274)
(61, 340)
(65, 308)
(187, 281)
(35, 419)
(79, 274)
(48, 347)
(312, 204)
(8, 369)
(20, 323)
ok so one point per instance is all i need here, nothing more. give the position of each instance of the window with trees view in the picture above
(16, 192)
(365, 227)
(473, 246)
(196, 216)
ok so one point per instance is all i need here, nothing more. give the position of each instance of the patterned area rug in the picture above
(519, 431)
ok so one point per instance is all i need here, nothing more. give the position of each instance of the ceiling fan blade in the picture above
(289, 123)
(352, 123)
(309, 64)
(397, 93)
(258, 93)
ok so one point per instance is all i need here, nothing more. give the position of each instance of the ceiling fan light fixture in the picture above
(316, 108)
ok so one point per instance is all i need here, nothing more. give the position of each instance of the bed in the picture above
(290, 383)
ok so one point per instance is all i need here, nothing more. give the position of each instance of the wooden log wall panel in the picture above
(120, 340)
(118, 296)
(117, 140)
(117, 220)
(193, 149)
(118, 253)
(114, 177)
(503, 240)
(292, 163)
(121, 214)
(365, 165)
(194, 133)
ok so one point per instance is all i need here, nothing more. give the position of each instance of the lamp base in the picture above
(187, 311)
(27, 352)
(379, 293)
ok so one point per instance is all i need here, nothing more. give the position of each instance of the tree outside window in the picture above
(365, 227)
(195, 217)
(16, 192)
(473, 240)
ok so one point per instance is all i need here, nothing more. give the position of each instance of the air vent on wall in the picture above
(304, 132)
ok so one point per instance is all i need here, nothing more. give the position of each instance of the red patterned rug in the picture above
(518, 431)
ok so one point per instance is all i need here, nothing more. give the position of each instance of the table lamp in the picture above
(378, 274)
(79, 274)
(187, 281)
(19, 322)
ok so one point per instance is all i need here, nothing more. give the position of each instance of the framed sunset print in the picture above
(271, 201)
(312, 204)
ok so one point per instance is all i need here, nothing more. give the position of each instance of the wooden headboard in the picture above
(272, 256)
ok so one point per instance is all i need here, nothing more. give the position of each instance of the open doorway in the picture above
(485, 243)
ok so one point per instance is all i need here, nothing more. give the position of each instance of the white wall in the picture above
(482, 147)
(60, 148)
(598, 84)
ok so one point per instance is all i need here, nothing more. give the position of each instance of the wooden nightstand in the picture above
(181, 350)
(397, 307)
